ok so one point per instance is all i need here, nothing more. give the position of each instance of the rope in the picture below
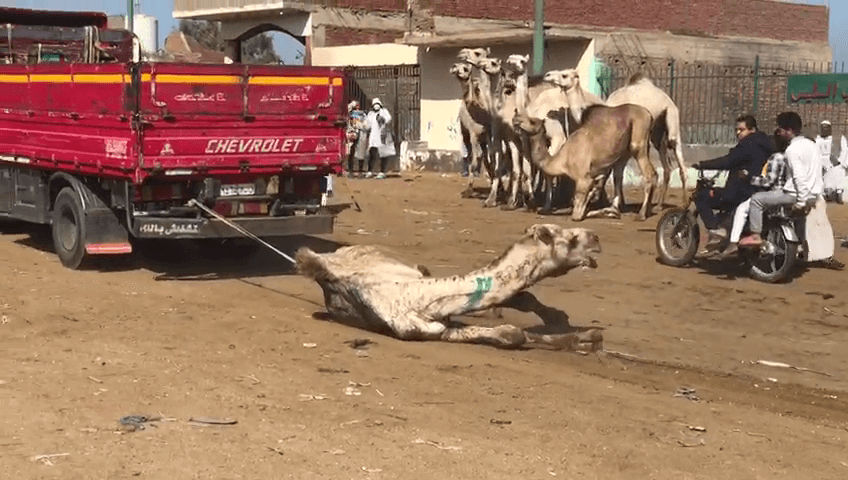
(238, 228)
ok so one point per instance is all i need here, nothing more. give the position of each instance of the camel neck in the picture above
(555, 166)
(484, 288)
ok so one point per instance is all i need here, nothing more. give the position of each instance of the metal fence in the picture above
(399, 90)
(710, 97)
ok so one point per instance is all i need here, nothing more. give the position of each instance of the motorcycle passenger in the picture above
(803, 183)
(744, 160)
(773, 177)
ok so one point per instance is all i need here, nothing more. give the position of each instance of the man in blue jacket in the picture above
(743, 161)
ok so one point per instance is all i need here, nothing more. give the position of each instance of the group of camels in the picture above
(521, 129)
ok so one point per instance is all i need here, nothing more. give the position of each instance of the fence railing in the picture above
(399, 90)
(710, 97)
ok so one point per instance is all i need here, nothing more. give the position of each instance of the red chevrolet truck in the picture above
(106, 149)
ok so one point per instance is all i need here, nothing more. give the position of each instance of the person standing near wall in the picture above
(381, 144)
(357, 135)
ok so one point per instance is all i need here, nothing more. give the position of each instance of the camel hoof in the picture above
(489, 204)
(424, 270)
(640, 218)
(509, 207)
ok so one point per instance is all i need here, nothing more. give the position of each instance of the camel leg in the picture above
(612, 211)
(476, 158)
(527, 176)
(516, 175)
(675, 144)
(495, 156)
(582, 189)
(649, 178)
(618, 185)
(660, 141)
(503, 336)
(549, 194)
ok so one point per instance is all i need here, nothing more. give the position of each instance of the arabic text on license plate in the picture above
(238, 190)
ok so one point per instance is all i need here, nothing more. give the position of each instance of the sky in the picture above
(162, 9)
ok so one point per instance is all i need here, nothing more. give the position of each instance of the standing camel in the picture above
(514, 96)
(665, 134)
(607, 139)
(489, 71)
(474, 119)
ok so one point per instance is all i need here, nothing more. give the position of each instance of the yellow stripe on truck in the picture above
(100, 78)
(165, 78)
(50, 78)
(289, 81)
(14, 78)
(195, 79)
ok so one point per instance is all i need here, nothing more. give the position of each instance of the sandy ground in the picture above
(184, 338)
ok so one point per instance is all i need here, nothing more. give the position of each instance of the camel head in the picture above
(564, 79)
(533, 126)
(492, 66)
(473, 55)
(516, 65)
(559, 249)
(461, 71)
(513, 68)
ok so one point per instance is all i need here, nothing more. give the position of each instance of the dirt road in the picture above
(184, 338)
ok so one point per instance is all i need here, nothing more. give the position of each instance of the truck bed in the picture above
(169, 119)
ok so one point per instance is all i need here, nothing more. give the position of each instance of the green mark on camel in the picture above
(484, 284)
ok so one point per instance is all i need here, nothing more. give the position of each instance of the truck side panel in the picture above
(67, 117)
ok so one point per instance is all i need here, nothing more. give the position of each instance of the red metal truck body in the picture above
(167, 119)
(135, 142)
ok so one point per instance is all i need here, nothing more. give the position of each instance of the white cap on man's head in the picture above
(825, 122)
(376, 101)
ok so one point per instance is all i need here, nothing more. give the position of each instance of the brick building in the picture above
(579, 34)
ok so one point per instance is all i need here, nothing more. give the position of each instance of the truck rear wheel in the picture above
(69, 228)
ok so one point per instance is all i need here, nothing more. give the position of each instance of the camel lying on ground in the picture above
(366, 289)
(605, 142)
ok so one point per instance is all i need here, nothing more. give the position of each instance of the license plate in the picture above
(242, 190)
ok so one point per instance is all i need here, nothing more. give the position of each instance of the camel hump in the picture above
(636, 78)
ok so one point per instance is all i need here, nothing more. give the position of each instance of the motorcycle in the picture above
(678, 237)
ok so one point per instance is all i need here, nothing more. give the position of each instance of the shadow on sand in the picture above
(185, 259)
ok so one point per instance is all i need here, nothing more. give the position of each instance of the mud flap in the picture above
(789, 233)
(104, 233)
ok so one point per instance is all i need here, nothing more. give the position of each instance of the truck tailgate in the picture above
(237, 118)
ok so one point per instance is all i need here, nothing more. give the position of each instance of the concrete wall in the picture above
(365, 55)
(441, 92)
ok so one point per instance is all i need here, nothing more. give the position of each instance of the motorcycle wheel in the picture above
(677, 237)
(775, 266)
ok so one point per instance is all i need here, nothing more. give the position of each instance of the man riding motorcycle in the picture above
(742, 161)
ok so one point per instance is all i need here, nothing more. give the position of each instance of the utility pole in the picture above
(539, 38)
(130, 15)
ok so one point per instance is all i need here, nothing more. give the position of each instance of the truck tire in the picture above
(69, 228)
